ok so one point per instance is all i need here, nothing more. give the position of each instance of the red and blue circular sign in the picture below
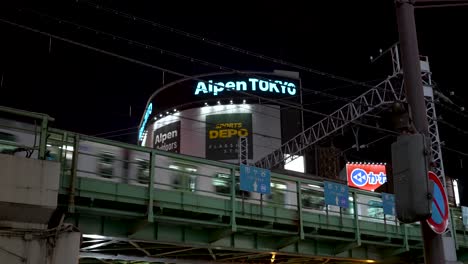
(438, 221)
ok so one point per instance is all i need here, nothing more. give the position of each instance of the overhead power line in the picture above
(223, 45)
(178, 73)
(196, 60)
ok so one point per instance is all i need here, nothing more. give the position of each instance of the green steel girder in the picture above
(172, 230)
(199, 204)
(186, 219)
(195, 236)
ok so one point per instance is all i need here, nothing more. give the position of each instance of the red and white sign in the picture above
(366, 176)
(440, 208)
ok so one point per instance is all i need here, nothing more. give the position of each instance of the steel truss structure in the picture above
(375, 99)
(436, 151)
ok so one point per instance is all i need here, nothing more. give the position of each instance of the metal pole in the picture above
(152, 164)
(433, 243)
(71, 197)
(43, 139)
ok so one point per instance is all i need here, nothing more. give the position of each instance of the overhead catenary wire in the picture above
(223, 45)
(196, 60)
(115, 55)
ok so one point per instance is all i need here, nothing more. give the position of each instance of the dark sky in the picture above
(91, 93)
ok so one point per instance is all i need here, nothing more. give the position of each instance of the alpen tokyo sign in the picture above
(249, 85)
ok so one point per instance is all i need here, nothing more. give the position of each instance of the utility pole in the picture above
(433, 243)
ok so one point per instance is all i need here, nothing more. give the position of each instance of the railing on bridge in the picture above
(103, 177)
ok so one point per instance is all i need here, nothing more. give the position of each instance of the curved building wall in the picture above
(212, 131)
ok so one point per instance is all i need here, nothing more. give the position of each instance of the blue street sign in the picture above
(336, 194)
(253, 179)
(388, 201)
(465, 216)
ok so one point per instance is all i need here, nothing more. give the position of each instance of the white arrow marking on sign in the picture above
(337, 201)
(358, 176)
(255, 186)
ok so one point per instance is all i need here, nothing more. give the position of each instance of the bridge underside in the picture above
(192, 228)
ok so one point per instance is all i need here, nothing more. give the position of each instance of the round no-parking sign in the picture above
(440, 208)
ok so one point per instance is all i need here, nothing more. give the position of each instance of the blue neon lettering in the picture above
(291, 88)
(218, 87)
(241, 86)
(283, 88)
(201, 87)
(263, 85)
(210, 87)
(253, 84)
(145, 119)
(230, 85)
(273, 87)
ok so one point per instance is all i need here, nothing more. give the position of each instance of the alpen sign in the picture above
(167, 138)
(249, 85)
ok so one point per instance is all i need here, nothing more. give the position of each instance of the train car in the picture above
(115, 164)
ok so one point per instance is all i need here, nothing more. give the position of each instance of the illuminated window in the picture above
(142, 171)
(375, 209)
(106, 164)
(183, 178)
(313, 199)
(7, 138)
(222, 184)
(278, 193)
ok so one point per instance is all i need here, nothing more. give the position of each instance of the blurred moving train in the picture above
(111, 163)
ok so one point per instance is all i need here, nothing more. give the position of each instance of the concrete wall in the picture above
(27, 248)
(29, 189)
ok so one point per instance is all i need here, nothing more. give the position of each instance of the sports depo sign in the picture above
(366, 176)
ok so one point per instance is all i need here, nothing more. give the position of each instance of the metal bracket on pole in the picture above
(243, 158)
(71, 198)
(243, 151)
(43, 139)
(356, 137)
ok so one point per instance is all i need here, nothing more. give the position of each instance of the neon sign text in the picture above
(252, 84)
(145, 119)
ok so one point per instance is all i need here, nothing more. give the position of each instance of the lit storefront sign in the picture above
(250, 85)
(223, 132)
(366, 176)
(167, 138)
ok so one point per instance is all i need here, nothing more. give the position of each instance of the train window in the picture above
(278, 192)
(7, 138)
(183, 178)
(222, 184)
(313, 199)
(105, 164)
(375, 209)
(142, 171)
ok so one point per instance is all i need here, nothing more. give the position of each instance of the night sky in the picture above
(90, 92)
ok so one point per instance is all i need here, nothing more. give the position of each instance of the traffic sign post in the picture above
(253, 179)
(336, 194)
(388, 203)
(438, 221)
